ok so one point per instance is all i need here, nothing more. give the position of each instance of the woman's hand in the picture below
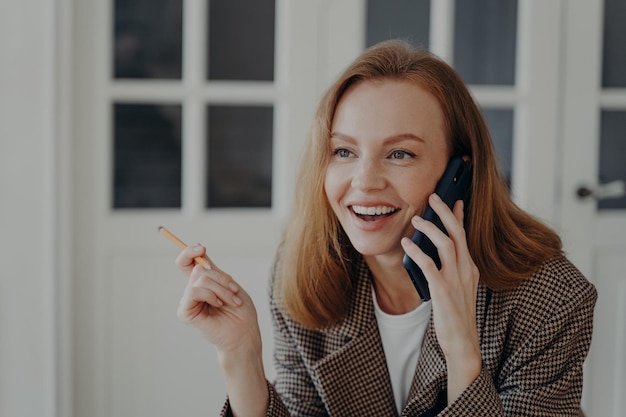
(453, 291)
(216, 305)
(224, 313)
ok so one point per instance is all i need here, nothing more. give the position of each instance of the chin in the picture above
(377, 249)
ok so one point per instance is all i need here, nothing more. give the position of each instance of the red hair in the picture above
(506, 243)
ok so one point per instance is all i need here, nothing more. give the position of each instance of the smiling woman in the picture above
(388, 148)
(340, 296)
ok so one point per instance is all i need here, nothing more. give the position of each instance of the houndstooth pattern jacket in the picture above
(534, 340)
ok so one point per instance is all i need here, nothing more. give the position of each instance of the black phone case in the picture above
(454, 185)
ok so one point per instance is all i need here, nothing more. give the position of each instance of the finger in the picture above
(196, 302)
(459, 235)
(452, 220)
(194, 255)
(216, 274)
(421, 259)
(186, 258)
(205, 260)
(199, 294)
(449, 218)
(223, 292)
(453, 250)
(445, 245)
(459, 211)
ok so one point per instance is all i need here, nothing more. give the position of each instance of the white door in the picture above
(166, 133)
(594, 151)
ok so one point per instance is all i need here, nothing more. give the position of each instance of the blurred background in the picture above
(119, 116)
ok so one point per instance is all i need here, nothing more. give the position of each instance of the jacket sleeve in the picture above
(275, 406)
(542, 374)
(294, 388)
(293, 392)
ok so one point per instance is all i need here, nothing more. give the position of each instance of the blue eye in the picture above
(401, 155)
(342, 153)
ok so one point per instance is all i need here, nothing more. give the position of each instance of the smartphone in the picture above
(453, 185)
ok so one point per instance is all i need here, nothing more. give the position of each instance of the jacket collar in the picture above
(355, 374)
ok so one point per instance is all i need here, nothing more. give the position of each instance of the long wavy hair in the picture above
(314, 281)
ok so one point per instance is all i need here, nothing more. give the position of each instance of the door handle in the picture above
(613, 189)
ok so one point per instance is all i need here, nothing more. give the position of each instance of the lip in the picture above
(370, 224)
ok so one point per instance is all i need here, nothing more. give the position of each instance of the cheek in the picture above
(331, 187)
(416, 193)
(421, 198)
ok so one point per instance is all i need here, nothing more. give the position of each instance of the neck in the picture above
(394, 290)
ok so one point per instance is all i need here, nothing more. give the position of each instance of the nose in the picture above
(369, 175)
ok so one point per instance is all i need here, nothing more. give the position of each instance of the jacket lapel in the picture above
(353, 375)
(428, 394)
(430, 379)
(355, 378)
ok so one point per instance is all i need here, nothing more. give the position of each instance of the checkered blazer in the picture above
(533, 342)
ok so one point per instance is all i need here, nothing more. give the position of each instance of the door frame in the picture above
(60, 230)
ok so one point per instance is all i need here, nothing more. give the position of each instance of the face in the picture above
(388, 149)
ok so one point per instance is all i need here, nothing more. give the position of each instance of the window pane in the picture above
(239, 156)
(147, 156)
(388, 19)
(612, 154)
(148, 39)
(485, 39)
(241, 40)
(614, 58)
(500, 122)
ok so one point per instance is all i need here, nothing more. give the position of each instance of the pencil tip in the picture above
(160, 227)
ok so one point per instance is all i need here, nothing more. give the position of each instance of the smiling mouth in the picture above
(373, 213)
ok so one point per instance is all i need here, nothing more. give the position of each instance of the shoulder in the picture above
(556, 295)
(324, 340)
(546, 319)
(556, 284)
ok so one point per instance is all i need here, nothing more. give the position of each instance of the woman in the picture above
(509, 324)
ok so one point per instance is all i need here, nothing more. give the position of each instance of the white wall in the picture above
(27, 133)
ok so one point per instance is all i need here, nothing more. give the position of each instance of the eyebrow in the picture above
(391, 139)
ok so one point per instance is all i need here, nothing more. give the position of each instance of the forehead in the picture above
(386, 104)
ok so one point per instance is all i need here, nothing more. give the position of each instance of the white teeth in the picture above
(373, 211)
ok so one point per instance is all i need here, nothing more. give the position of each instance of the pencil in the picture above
(181, 244)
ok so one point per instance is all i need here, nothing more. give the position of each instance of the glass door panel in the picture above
(239, 155)
(500, 122)
(485, 41)
(147, 156)
(612, 149)
(613, 57)
(612, 155)
(241, 40)
(409, 20)
(148, 39)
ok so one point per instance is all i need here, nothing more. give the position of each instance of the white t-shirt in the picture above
(402, 337)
